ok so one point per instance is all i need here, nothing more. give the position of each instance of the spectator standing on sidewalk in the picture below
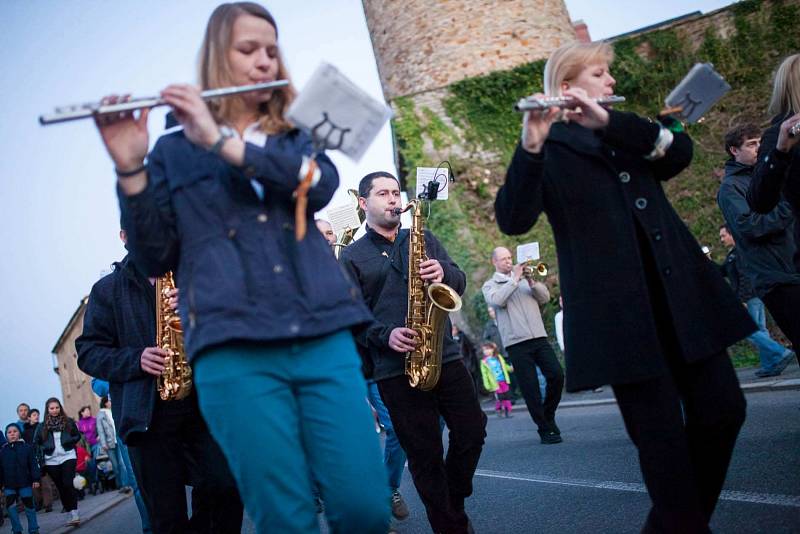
(525, 339)
(57, 437)
(87, 424)
(23, 413)
(107, 440)
(19, 475)
(42, 495)
(774, 356)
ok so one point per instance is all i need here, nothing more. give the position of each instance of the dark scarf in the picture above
(55, 424)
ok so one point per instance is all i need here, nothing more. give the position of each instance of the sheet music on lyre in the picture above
(343, 217)
(528, 252)
(331, 100)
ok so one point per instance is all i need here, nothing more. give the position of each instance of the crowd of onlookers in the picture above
(43, 457)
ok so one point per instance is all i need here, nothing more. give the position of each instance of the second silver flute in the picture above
(94, 109)
(532, 104)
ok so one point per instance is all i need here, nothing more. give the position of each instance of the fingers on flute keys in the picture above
(106, 119)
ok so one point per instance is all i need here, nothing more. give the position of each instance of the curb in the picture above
(749, 387)
(94, 513)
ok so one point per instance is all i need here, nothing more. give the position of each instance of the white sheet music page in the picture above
(347, 107)
(440, 175)
(342, 217)
(528, 251)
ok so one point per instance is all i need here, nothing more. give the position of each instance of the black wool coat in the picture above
(610, 218)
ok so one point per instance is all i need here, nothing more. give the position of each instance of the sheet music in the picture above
(427, 174)
(346, 105)
(697, 92)
(528, 251)
(342, 217)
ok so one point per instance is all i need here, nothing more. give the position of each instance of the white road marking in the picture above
(774, 499)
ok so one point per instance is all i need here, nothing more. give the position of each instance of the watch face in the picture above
(227, 131)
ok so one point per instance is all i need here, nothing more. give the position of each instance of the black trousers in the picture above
(177, 451)
(525, 356)
(442, 483)
(685, 425)
(783, 303)
(62, 476)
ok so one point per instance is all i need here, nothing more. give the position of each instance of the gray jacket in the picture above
(106, 435)
(517, 307)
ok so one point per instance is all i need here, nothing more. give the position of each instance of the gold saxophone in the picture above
(428, 306)
(175, 382)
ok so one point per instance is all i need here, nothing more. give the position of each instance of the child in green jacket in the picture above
(495, 372)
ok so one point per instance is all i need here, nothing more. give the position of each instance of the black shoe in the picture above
(554, 428)
(550, 438)
(763, 373)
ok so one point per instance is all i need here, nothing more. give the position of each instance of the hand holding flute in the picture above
(579, 108)
(789, 133)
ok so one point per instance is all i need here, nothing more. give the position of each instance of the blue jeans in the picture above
(394, 457)
(122, 450)
(26, 495)
(282, 410)
(769, 350)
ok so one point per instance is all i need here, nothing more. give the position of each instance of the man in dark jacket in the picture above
(763, 238)
(378, 263)
(774, 356)
(168, 441)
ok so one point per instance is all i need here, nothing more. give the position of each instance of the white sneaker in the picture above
(74, 518)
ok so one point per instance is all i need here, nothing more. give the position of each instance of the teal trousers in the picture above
(286, 413)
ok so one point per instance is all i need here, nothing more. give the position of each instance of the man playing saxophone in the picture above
(169, 443)
(379, 264)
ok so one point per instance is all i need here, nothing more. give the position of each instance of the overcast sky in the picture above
(58, 209)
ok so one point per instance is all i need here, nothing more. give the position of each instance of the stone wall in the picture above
(422, 45)
(76, 386)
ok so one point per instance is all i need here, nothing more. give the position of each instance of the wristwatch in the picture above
(225, 133)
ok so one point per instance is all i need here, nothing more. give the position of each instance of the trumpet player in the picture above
(516, 298)
(379, 264)
(226, 203)
(169, 444)
(644, 309)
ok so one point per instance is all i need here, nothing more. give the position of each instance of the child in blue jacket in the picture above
(19, 474)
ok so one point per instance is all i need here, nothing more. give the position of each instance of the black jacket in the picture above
(610, 218)
(732, 269)
(120, 322)
(763, 240)
(384, 283)
(69, 438)
(776, 177)
(243, 275)
(18, 465)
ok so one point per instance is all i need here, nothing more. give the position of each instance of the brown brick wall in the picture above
(422, 45)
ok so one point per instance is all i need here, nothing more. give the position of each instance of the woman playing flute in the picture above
(267, 316)
(645, 310)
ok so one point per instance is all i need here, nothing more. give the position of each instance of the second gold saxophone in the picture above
(428, 306)
(175, 382)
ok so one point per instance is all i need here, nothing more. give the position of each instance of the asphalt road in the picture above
(592, 483)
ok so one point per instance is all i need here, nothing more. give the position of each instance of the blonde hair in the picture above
(567, 62)
(214, 70)
(786, 88)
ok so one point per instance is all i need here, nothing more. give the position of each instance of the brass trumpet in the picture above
(530, 268)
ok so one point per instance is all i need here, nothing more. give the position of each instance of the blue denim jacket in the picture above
(242, 274)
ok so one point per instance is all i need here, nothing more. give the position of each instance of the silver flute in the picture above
(794, 130)
(96, 109)
(534, 104)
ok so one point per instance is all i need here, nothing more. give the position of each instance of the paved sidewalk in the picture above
(93, 505)
(789, 379)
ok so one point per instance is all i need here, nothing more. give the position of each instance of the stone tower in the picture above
(424, 45)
